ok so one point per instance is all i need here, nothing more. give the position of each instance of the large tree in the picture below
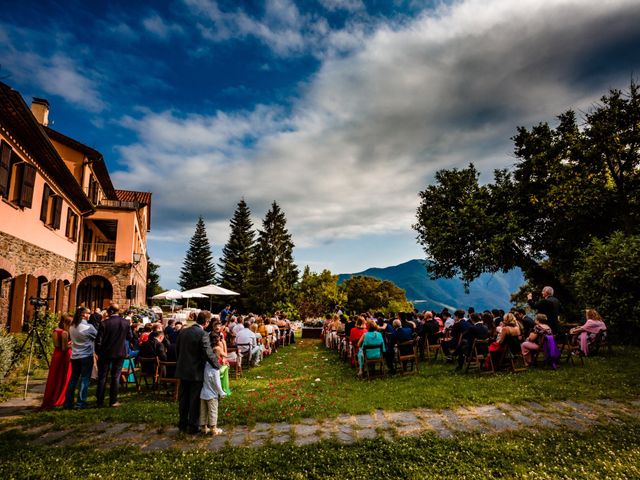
(275, 272)
(237, 255)
(372, 294)
(570, 184)
(318, 294)
(198, 268)
(153, 279)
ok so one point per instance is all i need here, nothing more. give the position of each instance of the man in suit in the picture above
(193, 349)
(111, 350)
(477, 330)
(549, 305)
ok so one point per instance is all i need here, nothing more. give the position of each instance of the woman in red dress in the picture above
(60, 369)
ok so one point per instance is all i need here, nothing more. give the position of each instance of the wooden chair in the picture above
(373, 367)
(128, 373)
(244, 353)
(571, 350)
(478, 356)
(407, 356)
(148, 369)
(600, 342)
(235, 364)
(511, 356)
(167, 377)
(431, 350)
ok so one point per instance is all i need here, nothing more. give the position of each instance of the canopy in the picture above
(211, 290)
(172, 294)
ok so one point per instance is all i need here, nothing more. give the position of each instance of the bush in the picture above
(607, 279)
(7, 345)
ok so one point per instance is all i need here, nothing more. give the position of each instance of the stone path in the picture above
(491, 419)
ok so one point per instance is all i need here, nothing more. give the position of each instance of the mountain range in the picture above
(489, 290)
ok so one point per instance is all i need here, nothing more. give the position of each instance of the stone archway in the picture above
(94, 291)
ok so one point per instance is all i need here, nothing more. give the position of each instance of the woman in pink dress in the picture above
(589, 330)
(60, 369)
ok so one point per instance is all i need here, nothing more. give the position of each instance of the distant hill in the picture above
(485, 292)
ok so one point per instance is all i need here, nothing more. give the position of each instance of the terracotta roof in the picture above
(95, 157)
(16, 118)
(143, 198)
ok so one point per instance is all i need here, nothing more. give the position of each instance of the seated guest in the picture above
(487, 319)
(350, 324)
(402, 334)
(153, 347)
(248, 344)
(525, 320)
(460, 325)
(168, 330)
(144, 336)
(446, 318)
(590, 329)
(476, 331)
(371, 338)
(355, 334)
(173, 338)
(535, 338)
(509, 334)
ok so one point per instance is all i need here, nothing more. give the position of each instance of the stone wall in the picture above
(119, 275)
(19, 258)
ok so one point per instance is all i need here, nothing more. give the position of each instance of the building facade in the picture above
(66, 234)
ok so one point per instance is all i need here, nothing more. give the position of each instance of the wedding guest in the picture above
(535, 338)
(210, 394)
(82, 336)
(549, 305)
(60, 368)
(371, 338)
(590, 329)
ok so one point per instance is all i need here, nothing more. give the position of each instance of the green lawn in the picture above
(307, 380)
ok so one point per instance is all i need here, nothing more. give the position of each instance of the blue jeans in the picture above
(80, 370)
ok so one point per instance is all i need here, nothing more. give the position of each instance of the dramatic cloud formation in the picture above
(371, 128)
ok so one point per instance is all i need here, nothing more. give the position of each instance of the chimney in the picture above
(40, 110)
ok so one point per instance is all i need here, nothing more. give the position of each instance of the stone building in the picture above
(66, 234)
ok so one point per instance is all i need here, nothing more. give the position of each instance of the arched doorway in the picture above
(95, 292)
(4, 275)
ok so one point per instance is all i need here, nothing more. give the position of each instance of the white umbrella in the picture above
(210, 290)
(168, 295)
(189, 294)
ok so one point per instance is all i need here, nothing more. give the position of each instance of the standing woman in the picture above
(60, 369)
(82, 336)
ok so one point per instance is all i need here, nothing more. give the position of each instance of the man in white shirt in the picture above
(247, 342)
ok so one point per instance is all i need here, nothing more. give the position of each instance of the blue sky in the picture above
(340, 110)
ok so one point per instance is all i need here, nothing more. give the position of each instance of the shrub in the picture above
(607, 279)
(7, 345)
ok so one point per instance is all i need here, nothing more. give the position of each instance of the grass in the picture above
(611, 452)
(307, 380)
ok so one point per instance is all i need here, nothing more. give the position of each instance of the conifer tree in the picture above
(237, 255)
(275, 274)
(198, 268)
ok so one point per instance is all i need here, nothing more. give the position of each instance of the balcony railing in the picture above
(99, 252)
(118, 204)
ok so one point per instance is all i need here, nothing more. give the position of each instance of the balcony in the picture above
(103, 252)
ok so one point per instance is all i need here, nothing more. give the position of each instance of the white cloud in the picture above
(157, 26)
(372, 127)
(347, 5)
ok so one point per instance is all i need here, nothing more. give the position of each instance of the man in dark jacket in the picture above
(549, 305)
(111, 350)
(193, 349)
(477, 330)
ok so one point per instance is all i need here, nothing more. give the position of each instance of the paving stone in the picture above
(350, 419)
(308, 421)
(366, 420)
(454, 422)
(402, 418)
(344, 437)
(98, 427)
(51, 437)
(521, 418)
(259, 427)
(282, 428)
(409, 430)
(500, 422)
(436, 423)
(218, 442)
(117, 428)
(257, 443)
(305, 430)
(159, 444)
(367, 434)
(300, 441)
(535, 406)
(280, 439)
(237, 439)
(469, 419)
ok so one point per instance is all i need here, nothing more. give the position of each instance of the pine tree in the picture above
(275, 274)
(198, 268)
(237, 255)
(153, 279)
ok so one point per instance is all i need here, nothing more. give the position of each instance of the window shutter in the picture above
(74, 227)
(28, 182)
(57, 202)
(44, 208)
(5, 159)
(67, 230)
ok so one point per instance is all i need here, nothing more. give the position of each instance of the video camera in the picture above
(39, 302)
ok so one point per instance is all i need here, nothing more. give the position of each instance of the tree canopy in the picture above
(372, 294)
(318, 293)
(570, 184)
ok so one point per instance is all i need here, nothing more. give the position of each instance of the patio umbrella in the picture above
(189, 294)
(168, 295)
(210, 290)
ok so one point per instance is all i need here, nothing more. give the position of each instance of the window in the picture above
(93, 190)
(72, 225)
(17, 178)
(51, 208)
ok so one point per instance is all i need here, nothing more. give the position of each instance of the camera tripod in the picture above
(32, 337)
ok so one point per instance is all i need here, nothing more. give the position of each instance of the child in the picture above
(210, 394)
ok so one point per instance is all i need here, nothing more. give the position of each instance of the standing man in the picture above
(226, 311)
(193, 350)
(111, 350)
(549, 305)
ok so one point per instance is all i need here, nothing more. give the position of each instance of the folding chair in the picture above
(373, 367)
(128, 373)
(432, 349)
(235, 363)
(478, 356)
(148, 369)
(407, 355)
(166, 376)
